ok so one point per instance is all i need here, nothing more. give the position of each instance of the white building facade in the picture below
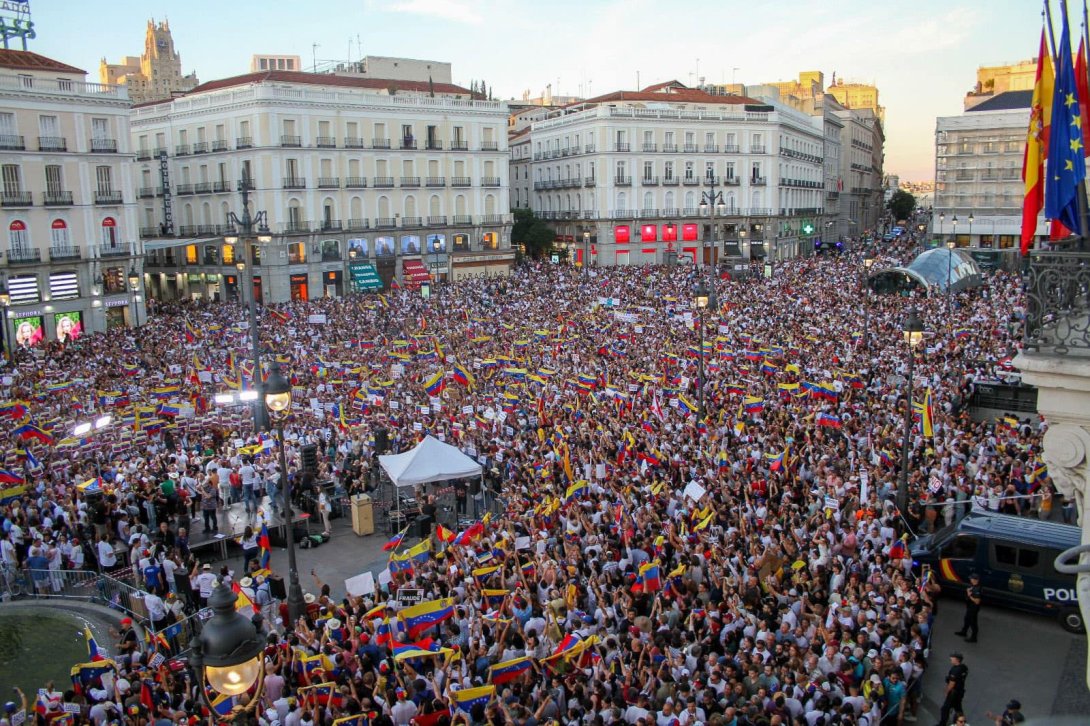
(978, 172)
(632, 168)
(69, 218)
(394, 174)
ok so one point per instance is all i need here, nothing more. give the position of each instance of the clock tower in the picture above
(155, 75)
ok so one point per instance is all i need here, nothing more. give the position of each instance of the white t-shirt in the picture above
(106, 556)
(157, 609)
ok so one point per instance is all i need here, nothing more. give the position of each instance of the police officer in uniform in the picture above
(955, 688)
(973, 597)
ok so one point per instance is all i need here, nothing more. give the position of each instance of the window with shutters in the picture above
(100, 128)
(48, 127)
(109, 233)
(18, 236)
(59, 237)
(104, 179)
(12, 179)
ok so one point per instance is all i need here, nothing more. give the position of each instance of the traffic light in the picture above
(807, 229)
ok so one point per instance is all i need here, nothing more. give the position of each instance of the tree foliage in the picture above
(532, 233)
(901, 204)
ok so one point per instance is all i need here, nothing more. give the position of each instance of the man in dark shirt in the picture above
(973, 598)
(955, 688)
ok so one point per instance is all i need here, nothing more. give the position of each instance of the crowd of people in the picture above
(651, 565)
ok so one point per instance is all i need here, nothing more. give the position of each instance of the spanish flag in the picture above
(1040, 118)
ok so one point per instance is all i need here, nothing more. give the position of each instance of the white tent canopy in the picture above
(430, 460)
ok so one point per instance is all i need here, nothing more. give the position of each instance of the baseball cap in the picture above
(126, 621)
(1014, 703)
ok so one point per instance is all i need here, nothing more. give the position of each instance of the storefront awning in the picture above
(414, 273)
(364, 276)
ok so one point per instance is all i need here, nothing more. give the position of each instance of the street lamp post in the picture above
(913, 334)
(942, 221)
(868, 262)
(438, 287)
(245, 227)
(134, 286)
(950, 245)
(703, 297)
(711, 201)
(954, 234)
(586, 251)
(970, 229)
(277, 392)
(349, 284)
(5, 301)
(227, 655)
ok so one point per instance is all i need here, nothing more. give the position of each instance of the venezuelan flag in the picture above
(463, 375)
(265, 544)
(94, 653)
(419, 618)
(29, 431)
(10, 477)
(359, 719)
(649, 578)
(509, 670)
(434, 385)
(422, 649)
(466, 698)
(828, 419)
(495, 598)
(481, 574)
(775, 461)
(685, 406)
(85, 674)
(753, 405)
(394, 542)
(577, 489)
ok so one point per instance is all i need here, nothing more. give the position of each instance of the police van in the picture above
(1015, 557)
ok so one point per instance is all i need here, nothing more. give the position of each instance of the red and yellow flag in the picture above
(1040, 118)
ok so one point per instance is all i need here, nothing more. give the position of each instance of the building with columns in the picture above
(404, 176)
(631, 169)
(67, 207)
(156, 74)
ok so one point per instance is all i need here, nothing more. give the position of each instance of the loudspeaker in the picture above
(382, 441)
(309, 455)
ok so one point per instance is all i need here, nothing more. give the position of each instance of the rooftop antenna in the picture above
(314, 57)
(698, 71)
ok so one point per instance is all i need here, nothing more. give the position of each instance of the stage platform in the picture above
(233, 521)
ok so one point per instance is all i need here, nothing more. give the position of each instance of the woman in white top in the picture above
(53, 554)
(107, 560)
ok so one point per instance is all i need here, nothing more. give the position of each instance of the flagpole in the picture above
(1080, 189)
(1051, 34)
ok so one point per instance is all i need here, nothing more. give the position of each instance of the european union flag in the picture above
(1066, 164)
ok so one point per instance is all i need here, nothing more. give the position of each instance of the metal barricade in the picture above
(85, 585)
(181, 635)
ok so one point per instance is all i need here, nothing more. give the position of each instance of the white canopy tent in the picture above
(430, 460)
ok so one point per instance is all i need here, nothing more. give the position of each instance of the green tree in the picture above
(529, 231)
(901, 204)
